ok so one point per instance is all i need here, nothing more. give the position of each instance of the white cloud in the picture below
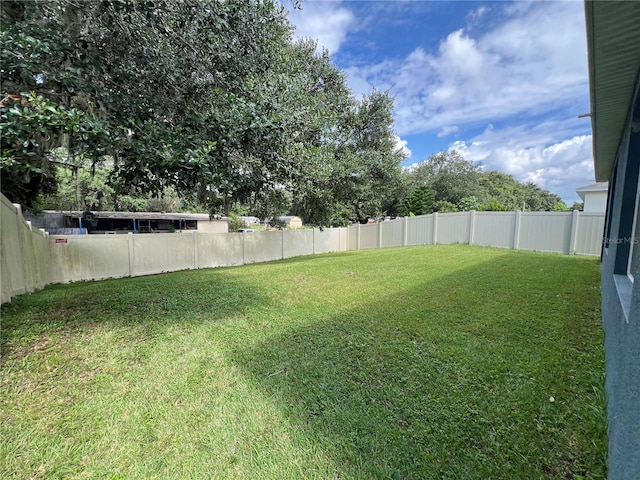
(327, 22)
(533, 62)
(402, 146)
(559, 167)
(529, 65)
(447, 131)
(474, 17)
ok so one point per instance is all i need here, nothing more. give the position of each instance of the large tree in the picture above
(210, 98)
(176, 92)
(450, 175)
(460, 184)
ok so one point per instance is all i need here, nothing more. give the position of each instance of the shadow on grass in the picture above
(147, 305)
(452, 378)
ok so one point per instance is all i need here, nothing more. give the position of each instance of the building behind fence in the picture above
(31, 258)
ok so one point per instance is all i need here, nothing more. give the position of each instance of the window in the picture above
(633, 240)
(609, 209)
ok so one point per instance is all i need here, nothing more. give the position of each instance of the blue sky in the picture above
(503, 82)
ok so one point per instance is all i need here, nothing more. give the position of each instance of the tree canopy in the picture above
(459, 184)
(211, 103)
(199, 95)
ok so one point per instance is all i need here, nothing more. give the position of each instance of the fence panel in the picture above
(162, 252)
(495, 229)
(329, 240)
(24, 254)
(453, 228)
(262, 246)
(392, 233)
(219, 250)
(14, 278)
(545, 231)
(590, 233)
(420, 230)
(352, 237)
(38, 265)
(368, 236)
(30, 258)
(298, 242)
(88, 257)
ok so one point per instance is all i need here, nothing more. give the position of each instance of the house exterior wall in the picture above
(295, 223)
(213, 226)
(621, 309)
(595, 202)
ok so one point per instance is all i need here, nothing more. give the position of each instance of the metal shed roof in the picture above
(613, 42)
(148, 216)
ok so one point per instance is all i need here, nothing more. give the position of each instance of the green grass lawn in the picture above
(443, 362)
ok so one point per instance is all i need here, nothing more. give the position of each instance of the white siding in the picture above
(595, 202)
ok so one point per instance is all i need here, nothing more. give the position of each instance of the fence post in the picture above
(196, 254)
(379, 234)
(358, 237)
(472, 225)
(282, 245)
(23, 254)
(244, 260)
(435, 228)
(516, 230)
(405, 232)
(574, 232)
(130, 247)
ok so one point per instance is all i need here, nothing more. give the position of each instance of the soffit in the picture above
(613, 40)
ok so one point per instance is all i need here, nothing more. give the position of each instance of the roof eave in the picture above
(614, 61)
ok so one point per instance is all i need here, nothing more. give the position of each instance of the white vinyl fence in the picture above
(24, 253)
(31, 258)
(573, 233)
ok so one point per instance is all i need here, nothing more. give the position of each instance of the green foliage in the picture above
(236, 223)
(450, 176)
(577, 206)
(30, 127)
(463, 183)
(129, 203)
(81, 186)
(443, 206)
(419, 202)
(467, 204)
(495, 206)
(168, 77)
(212, 99)
(350, 169)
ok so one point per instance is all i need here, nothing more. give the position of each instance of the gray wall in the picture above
(621, 314)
